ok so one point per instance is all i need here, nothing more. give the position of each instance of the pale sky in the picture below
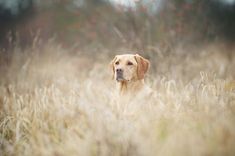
(127, 3)
(228, 1)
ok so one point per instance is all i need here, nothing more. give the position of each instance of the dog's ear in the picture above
(111, 64)
(142, 66)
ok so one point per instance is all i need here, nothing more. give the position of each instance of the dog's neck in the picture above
(132, 87)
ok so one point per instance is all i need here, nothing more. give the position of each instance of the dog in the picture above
(129, 71)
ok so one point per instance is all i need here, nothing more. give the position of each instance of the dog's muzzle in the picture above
(119, 75)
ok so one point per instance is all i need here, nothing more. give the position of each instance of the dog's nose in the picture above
(119, 70)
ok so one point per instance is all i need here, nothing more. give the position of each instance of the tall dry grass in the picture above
(53, 102)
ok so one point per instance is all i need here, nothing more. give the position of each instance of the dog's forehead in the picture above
(129, 57)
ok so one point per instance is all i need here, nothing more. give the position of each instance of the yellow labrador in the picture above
(129, 71)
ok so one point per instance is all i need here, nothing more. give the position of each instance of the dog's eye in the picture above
(129, 63)
(117, 63)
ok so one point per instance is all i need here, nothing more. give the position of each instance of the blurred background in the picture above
(134, 24)
(57, 94)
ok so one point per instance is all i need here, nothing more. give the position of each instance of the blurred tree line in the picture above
(83, 23)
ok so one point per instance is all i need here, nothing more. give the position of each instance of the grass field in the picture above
(58, 103)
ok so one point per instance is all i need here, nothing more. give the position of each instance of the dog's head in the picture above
(129, 67)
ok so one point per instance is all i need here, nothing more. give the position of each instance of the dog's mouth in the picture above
(119, 78)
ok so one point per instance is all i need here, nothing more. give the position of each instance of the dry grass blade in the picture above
(52, 103)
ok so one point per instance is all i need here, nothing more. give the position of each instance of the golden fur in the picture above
(130, 79)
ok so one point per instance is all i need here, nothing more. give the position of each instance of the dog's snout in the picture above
(119, 74)
(119, 70)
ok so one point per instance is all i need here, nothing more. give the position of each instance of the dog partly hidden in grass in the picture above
(129, 71)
